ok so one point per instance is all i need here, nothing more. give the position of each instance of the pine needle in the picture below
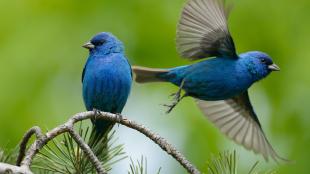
(139, 167)
(8, 156)
(62, 155)
(226, 163)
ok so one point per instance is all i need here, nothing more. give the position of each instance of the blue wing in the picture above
(84, 69)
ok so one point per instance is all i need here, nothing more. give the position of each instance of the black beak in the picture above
(273, 67)
(89, 45)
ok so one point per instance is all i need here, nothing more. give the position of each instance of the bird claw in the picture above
(176, 99)
(170, 107)
(176, 95)
(173, 94)
(119, 116)
(97, 112)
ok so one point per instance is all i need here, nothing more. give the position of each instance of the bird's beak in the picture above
(273, 67)
(89, 45)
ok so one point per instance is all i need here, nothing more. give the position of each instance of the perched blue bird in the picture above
(106, 80)
(218, 84)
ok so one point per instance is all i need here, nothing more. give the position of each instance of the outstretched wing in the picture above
(203, 32)
(236, 118)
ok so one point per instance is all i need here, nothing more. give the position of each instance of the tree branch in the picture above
(68, 127)
(8, 168)
(161, 142)
(23, 144)
(86, 149)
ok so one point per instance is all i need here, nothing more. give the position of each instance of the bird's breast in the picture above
(106, 85)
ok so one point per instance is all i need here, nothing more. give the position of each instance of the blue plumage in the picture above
(218, 84)
(106, 78)
(222, 78)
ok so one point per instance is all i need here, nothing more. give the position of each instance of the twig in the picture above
(23, 144)
(68, 127)
(161, 142)
(92, 157)
(8, 168)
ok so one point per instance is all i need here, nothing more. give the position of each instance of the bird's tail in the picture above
(98, 140)
(147, 75)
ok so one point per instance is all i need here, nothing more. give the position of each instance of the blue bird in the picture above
(219, 84)
(106, 80)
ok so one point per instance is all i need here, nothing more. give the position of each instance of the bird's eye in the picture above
(99, 43)
(263, 60)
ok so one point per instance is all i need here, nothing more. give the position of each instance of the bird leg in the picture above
(97, 112)
(119, 118)
(176, 98)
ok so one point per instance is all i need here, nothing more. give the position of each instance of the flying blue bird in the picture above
(219, 84)
(106, 80)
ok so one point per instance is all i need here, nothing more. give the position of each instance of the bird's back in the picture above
(212, 79)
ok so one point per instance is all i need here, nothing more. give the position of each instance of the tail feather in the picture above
(146, 75)
(98, 135)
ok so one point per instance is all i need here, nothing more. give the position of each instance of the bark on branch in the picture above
(26, 157)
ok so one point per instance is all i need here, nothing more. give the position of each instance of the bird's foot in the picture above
(119, 116)
(170, 106)
(176, 96)
(97, 112)
(176, 99)
(173, 94)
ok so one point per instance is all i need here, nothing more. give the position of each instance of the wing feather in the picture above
(203, 32)
(236, 119)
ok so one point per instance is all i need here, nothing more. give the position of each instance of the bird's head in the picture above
(259, 64)
(104, 43)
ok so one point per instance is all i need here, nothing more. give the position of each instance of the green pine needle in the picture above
(8, 156)
(139, 167)
(66, 157)
(226, 163)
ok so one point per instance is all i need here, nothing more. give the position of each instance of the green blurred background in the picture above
(41, 60)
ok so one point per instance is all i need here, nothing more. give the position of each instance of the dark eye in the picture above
(99, 42)
(263, 60)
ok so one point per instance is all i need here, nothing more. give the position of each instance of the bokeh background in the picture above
(41, 61)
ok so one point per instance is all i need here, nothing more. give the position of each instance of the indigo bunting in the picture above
(106, 80)
(219, 84)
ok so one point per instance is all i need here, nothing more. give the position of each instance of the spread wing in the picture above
(203, 32)
(236, 119)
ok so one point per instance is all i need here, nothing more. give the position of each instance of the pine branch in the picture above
(68, 127)
(8, 156)
(139, 167)
(226, 163)
(23, 144)
(161, 142)
(65, 156)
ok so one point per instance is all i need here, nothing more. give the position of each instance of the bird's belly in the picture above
(106, 93)
(215, 88)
